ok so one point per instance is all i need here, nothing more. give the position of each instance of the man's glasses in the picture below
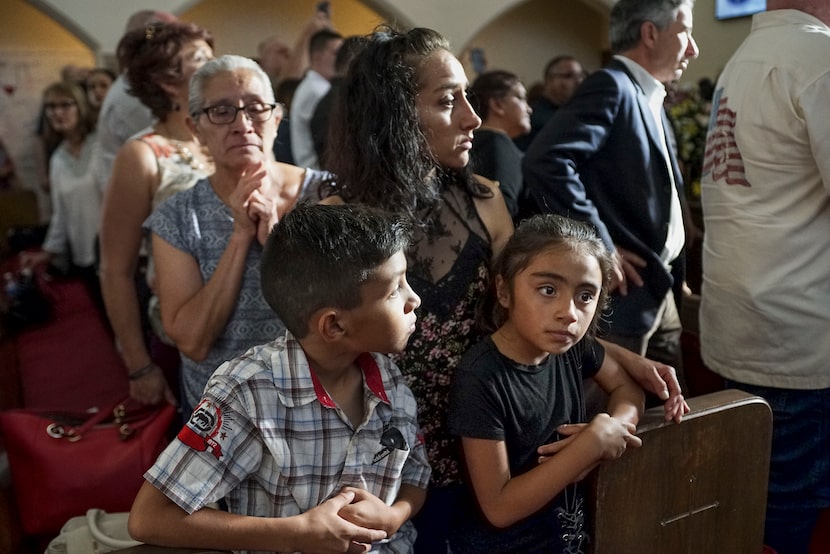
(225, 115)
(580, 75)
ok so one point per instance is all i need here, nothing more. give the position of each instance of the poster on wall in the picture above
(24, 74)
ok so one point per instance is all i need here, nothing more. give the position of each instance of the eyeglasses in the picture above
(225, 115)
(580, 75)
(52, 106)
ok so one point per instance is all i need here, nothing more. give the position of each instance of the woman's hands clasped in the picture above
(253, 203)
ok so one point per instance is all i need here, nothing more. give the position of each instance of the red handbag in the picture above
(61, 465)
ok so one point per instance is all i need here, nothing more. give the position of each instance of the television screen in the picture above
(725, 9)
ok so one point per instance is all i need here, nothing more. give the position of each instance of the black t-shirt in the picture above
(495, 398)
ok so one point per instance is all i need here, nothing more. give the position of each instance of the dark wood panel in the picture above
(697, 486)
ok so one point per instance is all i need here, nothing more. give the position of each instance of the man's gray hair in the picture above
(628, 16)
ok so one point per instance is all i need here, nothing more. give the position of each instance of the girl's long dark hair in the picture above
(378, 153)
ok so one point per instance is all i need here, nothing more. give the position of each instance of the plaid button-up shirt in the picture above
(268, 438)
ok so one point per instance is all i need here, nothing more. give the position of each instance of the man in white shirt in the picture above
(281, 61)
(122, 115)
(322, 50)
(765, 311)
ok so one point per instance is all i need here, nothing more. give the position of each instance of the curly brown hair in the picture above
(150, 57)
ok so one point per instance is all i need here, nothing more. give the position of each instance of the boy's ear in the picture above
(502, 292)
(328, 325)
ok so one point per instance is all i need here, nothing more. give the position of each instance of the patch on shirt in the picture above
(201, 429)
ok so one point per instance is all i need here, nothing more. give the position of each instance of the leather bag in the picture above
(63, 465)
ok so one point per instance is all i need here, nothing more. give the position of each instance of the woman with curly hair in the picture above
(159, 60)
(403, 144)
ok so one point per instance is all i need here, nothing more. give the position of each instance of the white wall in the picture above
(523, 39)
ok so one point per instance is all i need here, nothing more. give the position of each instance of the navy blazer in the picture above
(599, 160)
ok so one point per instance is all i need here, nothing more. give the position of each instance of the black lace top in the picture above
(448, 268)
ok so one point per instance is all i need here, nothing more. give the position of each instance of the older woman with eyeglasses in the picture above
(207, 241)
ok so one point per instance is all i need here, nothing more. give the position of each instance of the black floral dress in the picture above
(448, 268)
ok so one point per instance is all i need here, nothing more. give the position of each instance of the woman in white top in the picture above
(76, 203)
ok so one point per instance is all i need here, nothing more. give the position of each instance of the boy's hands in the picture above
(369, 511)
(327, 532)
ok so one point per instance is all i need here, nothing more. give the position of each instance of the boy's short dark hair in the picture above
(318, 256)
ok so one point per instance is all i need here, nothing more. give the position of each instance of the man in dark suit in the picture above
(604, 158)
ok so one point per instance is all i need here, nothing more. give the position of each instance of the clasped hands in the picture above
(253, 203)
(348, 522)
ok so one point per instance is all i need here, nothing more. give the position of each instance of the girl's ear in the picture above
(502, 292)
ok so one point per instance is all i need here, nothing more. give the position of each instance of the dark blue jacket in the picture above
(599, 160)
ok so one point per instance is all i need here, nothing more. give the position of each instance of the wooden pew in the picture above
(695, 487)
(692, 488)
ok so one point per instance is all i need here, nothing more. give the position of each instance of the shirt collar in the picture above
(371, 376)
(297, 384)
(652, 88)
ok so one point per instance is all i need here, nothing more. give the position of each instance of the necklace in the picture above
(187, 156)
(167, 131)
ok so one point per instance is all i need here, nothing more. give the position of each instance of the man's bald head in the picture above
(142, 18)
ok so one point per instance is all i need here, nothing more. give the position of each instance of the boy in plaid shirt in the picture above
(312, 439)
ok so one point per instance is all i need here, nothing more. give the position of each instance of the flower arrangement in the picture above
(688, 110)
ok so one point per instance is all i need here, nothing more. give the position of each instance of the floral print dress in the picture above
(448, 267)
